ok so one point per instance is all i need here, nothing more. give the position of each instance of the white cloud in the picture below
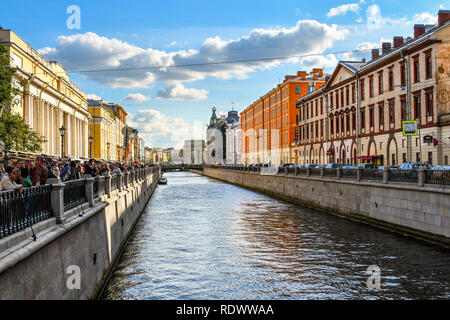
(158, 129)
(327, 61)
(139, 97)
(425, 18)
(376, 21)
(178, 92)
(90, 51)
(343, 9)
(364, 51)
(94, 97)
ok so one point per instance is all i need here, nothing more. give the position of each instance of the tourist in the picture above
(39, 173)
(8, 181)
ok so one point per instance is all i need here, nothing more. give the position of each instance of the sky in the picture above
(163, 60)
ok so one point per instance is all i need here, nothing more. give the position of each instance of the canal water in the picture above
(203, 239)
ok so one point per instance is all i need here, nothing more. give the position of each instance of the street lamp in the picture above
(107, 156)
(62, 132)
(90, 139)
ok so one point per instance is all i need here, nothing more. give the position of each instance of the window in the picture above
(337, 125)
(317, 110)
(381, 114)
(363, 120)
(403, 108)
(332, 126)
(393, 159)
(321, 128)
(428, 65)
(417, 107)
(404, 157)
(403, 75)
(362, 91)
(416, 69)
(417, 156)
(337, 99)
(342, 97)
(429, 102)
(380, 83)
(430, 158)
(391, 79)
(391, 111)
(347, 95)
(371, 117)
(347, 120)
(342, 125)
(321, 106)
(354, 120)
(353, 93)
(371, 86)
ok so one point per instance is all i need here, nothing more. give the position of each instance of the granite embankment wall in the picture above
(48, 267)
(420, 211)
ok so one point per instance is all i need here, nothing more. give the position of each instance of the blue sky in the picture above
(169, 105)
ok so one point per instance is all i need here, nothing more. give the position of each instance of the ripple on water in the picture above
(203, 239)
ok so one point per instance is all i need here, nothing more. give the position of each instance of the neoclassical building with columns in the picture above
(358, 115)
(49, 100)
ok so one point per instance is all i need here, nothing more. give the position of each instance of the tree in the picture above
(15, 134)
(6, 76)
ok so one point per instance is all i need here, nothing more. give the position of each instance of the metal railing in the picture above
(372, 174)
(349, 173)
(438, 177)
(386, 175)
(330, 172)
(403, 175)
(21, 210)
(74, 193)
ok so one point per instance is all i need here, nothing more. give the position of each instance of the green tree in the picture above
(15, 134)
(6, 76)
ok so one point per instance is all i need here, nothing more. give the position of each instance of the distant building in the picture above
(269, 124)
(233, 138)
(193, 151)
(358, 115)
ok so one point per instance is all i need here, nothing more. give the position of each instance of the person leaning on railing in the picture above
(8, 181)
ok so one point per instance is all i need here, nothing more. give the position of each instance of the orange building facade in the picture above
(269, 124)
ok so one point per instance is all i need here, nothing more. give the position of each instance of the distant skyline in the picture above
(129, 40)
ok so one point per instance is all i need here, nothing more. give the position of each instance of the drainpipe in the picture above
(358, 114)
(408, 95)
(326, 123)
(304, 133)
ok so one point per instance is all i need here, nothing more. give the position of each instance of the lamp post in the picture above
(90, 139)
(62, 132)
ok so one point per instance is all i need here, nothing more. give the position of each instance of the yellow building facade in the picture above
(106, 129)
(48, 100)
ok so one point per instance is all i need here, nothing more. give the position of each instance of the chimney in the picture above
(385, 47)
(375, 53)
(443, 17)
(398, 41)
(419, 29)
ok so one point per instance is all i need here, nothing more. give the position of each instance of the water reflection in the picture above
(203, 239)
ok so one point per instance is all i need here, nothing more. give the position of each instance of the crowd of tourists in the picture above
(19, 174)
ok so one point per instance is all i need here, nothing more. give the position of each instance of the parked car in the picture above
(332, 166)
(320, 166)
(348, 167)
(293, 166)
(309, 165)
(367, 166)
(288, 165)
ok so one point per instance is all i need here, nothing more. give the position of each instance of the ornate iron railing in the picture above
(21, 210)
(349, 173)
(372, 174)
(74, 193)
(403, 175)
(439, 177)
